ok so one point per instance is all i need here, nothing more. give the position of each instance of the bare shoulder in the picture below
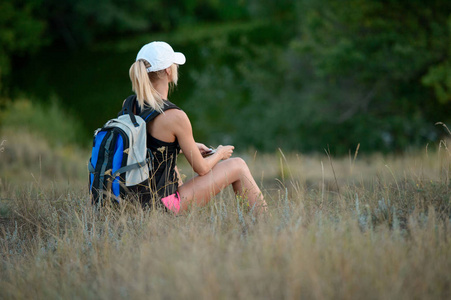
(169, 125)
(176, 116)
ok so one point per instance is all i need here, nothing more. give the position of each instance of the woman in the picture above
(152, 75)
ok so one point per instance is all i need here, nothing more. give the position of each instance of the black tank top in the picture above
(163, 177)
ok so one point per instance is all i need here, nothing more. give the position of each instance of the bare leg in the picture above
(231, 171)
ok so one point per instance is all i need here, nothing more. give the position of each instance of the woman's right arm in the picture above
(182, 129)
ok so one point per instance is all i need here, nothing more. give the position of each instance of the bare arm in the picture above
(202, 148)
(183, 131)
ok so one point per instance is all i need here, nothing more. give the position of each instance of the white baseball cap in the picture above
(160, 56)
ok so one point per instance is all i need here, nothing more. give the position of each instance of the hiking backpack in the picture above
(120, 164)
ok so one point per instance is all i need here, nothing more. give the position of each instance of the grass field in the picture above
(359, 227)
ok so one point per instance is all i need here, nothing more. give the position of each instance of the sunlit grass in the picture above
(369, 226)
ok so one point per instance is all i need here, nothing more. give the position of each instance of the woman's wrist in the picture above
(214, 159)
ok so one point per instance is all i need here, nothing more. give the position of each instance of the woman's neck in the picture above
(162, 88)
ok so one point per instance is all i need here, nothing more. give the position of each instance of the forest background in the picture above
(298, 75)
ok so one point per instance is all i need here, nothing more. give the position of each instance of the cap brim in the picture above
(179, 58)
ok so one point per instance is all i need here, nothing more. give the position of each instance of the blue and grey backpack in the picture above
(120, 162)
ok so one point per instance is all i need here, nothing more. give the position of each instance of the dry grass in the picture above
(375, 227)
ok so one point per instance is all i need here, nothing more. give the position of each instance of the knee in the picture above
(238, 164)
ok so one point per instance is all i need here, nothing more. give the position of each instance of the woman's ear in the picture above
(169, 72)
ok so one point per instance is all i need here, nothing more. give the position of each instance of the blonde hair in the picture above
(142, 83)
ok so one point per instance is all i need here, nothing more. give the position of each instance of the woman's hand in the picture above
(202, 148)
(225, 151)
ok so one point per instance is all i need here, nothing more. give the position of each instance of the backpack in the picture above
(120, 163)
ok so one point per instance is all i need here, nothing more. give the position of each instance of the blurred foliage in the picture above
(26, 25)
(77, 23)
(40, 142)
(299, 75)
(372, 58)
(20, 31)
(50, 122)
(368, 72)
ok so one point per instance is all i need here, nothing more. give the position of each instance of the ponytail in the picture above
(142, 86)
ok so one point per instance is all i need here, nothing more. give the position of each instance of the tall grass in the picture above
(374, 227)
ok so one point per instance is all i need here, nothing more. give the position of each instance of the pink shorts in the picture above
(172, 202)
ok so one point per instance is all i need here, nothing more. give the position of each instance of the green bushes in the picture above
(300, 75)
(40, 142)
(50, 122)
(330, 75)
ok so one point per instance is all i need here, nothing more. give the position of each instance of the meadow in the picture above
(361, 226)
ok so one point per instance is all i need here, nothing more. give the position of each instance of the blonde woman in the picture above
(153, 73)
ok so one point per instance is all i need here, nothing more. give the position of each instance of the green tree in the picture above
(20, 32)
(76, 24)
(374, 59)
(368, 72)
(439, 75)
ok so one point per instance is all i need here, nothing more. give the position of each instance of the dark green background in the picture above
(297, 75)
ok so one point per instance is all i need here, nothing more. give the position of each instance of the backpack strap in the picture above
(128, 109)
(148, 113)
